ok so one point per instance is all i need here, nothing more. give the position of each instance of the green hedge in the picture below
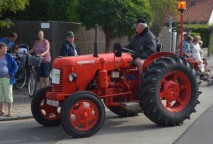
(202, 30)
(211, 42)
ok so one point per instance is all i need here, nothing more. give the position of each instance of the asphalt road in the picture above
(116, 130)
(200, 132)
(29, 132)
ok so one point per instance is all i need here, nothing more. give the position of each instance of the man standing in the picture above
(143, 43)
(68, 48)
(10, 40)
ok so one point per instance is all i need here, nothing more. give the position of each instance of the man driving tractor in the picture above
(143, 43)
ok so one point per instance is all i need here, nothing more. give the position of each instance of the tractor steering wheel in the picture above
(129, 51)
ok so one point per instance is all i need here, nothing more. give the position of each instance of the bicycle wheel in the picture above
(20, 77)
(32, 83)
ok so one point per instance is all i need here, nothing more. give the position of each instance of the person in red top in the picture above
(41, 47)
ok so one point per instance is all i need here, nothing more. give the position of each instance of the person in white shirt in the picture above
(196, 53)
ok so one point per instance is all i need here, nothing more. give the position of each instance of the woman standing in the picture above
(8, 68)
(196, 53)
(42, 48)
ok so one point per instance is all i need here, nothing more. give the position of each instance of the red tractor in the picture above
(82, 86)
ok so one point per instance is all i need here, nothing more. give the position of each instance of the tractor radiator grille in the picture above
(59, 87)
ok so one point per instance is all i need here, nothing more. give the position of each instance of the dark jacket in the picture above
(143, 44)
(12, 67)
(68, 49)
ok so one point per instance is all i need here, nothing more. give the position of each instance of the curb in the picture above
(15, 118)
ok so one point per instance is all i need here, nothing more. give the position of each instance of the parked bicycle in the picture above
(21, 74)
(33, 62)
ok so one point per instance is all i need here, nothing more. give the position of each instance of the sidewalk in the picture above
(21, 105)
(22, 102)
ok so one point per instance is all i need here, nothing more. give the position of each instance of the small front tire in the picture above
(43, 113)
(82, 114)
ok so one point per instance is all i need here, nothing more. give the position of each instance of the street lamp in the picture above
(181, 8)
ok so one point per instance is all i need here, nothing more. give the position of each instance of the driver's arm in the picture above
(149, 48)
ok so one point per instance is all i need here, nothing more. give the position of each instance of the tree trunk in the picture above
(108, 36)
(108, 43)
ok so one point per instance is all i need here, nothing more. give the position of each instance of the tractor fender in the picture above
(155, 56)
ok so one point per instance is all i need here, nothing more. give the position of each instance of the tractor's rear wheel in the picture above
(82, 114)
(44, 113)
(169, 91)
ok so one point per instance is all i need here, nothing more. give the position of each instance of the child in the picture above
(18, 56)
(14, 51)
(207, 73)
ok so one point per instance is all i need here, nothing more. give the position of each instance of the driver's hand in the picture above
(135, 56)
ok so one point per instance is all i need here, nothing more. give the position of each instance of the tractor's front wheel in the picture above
(82, 114)
(169, 91)
(44, 113)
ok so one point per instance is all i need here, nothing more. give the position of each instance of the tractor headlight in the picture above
(72, 77)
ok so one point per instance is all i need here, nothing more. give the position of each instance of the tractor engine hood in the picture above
(107, 58)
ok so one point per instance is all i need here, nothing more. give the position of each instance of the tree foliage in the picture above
(161, 11)
(10, 6)
(58, 10)
(116, 17)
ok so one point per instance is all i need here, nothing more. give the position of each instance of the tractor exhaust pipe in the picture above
(96, 42)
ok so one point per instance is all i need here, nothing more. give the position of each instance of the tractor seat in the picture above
(159, 47)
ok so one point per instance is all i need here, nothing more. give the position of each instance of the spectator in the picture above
(68, 48)
(186, 48)
(16, 55)
(185, 36)
(10, 40)
(14, 50)
(201, 51)
(196, 53)
(200, 43)
(8, 68)
(143, 43)
(207, 75)
(41, 47)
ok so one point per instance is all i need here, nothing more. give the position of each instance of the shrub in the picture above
(202, 30)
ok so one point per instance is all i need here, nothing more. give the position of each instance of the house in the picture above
(198, 11)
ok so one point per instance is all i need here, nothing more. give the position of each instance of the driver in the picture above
(143, 43)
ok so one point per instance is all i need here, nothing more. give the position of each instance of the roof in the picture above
(198, 11)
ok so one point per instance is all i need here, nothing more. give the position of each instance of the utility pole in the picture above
(170, 34)
(181, 8)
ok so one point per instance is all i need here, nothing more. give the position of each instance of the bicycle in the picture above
(33, 62)
(21, 74)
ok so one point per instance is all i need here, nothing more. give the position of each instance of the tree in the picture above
(161, 11)
(58, 10)
(116, 17)
(10, 6)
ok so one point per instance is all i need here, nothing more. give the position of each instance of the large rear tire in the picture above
(43, 113)
(82, 114)
(169, 91)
